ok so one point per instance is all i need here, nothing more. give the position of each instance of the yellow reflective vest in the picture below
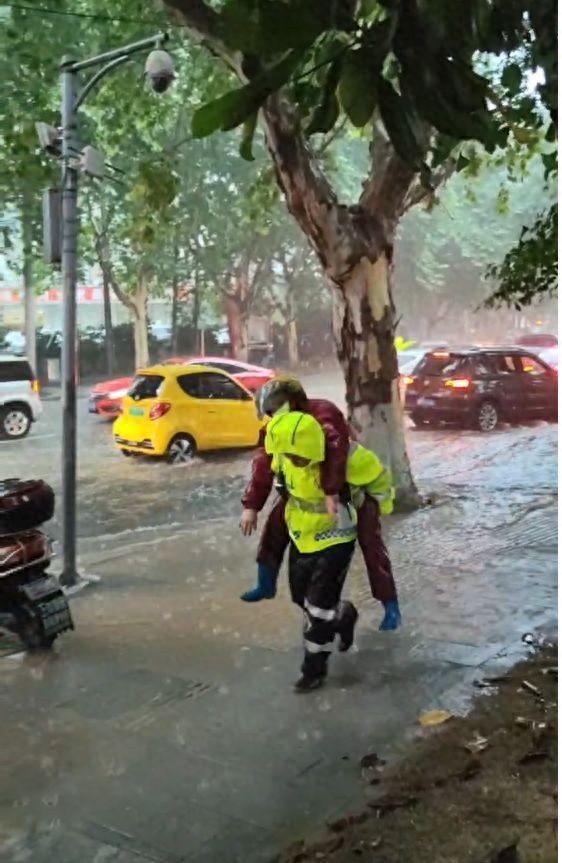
(310, 527)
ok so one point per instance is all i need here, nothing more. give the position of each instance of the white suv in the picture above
(20, 404)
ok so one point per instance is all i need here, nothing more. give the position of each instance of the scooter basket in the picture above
(24, 505)
(21, 550)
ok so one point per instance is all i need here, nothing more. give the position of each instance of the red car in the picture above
(105, 398)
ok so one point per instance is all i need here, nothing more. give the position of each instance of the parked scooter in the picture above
(32, 604)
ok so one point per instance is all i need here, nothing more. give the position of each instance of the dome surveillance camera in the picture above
(159, 70)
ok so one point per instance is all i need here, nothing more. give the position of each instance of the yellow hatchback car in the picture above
(174, 411)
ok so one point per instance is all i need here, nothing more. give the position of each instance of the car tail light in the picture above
(408, 379)
(35, 386)
(159, 409)
(458, 383)
(440, 354)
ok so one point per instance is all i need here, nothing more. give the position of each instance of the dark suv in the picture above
(480, 387)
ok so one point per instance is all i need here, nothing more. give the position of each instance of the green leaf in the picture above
(551, 132)
(233, 108)
(403, 125)
(268, 27)
(512, 77)
(442, 149)
(461, 86)
(327, 112)
(360, 70)
(357, 87)
(248, 137)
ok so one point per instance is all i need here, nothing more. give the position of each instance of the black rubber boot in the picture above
(345, 622)
(308, 684)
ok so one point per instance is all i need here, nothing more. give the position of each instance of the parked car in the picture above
(549, 356)
(177, 410)
(20, 405)
(253, 377)
(537, 341)
(481, 387)
(105, 398)
(14, 341)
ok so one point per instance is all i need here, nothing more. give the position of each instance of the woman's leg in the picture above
(273, 542)
(377, 560)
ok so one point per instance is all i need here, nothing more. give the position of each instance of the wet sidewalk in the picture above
(165, 728)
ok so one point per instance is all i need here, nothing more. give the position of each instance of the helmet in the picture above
(295, 433)
(277, 392)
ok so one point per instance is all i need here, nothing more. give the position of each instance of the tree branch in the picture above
(202, 22)
(419, 192)
(388, 184)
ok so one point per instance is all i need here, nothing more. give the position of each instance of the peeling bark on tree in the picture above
(364, 334)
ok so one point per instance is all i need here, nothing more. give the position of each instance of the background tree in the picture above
(405, 69)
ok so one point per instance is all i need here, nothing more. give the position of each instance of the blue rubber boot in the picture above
(266, 587)
(392, 617)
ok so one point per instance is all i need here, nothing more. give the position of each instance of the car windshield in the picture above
(439, 363)
(145, 387)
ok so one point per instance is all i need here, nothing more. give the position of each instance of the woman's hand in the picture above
(332, 503)
(249, 522)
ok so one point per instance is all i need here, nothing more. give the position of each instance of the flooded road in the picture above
(165, 729)
(117, 495)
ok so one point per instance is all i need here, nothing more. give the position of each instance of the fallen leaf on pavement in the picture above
(534, 690)
(477, 744)
(434, 717)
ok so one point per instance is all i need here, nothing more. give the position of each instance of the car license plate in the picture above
(426, 403)
(136, 412)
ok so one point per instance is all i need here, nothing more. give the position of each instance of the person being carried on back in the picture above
(278, 397)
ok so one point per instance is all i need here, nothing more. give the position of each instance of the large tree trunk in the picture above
(292, 343)
(140, 322)
(140, 331)
(108, 323)
(364, 334)
(175, 302)
(237, 326)
(196, 310)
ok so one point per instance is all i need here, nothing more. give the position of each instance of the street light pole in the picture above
(69, 375)
(70, 149)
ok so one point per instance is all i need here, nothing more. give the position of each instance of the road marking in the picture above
(31, 437)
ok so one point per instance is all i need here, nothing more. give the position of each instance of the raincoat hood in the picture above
(295, 433)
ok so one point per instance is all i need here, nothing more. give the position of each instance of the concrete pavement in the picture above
(165, 729)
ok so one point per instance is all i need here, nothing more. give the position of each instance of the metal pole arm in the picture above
(89, 86)
(124, 51)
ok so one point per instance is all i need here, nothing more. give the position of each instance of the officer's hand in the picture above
(249, 522)
(332, 503)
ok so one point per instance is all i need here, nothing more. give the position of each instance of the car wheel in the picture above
(181, 450)
(127, 453)
(487, 417)
(418, 421)
(15, 421)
